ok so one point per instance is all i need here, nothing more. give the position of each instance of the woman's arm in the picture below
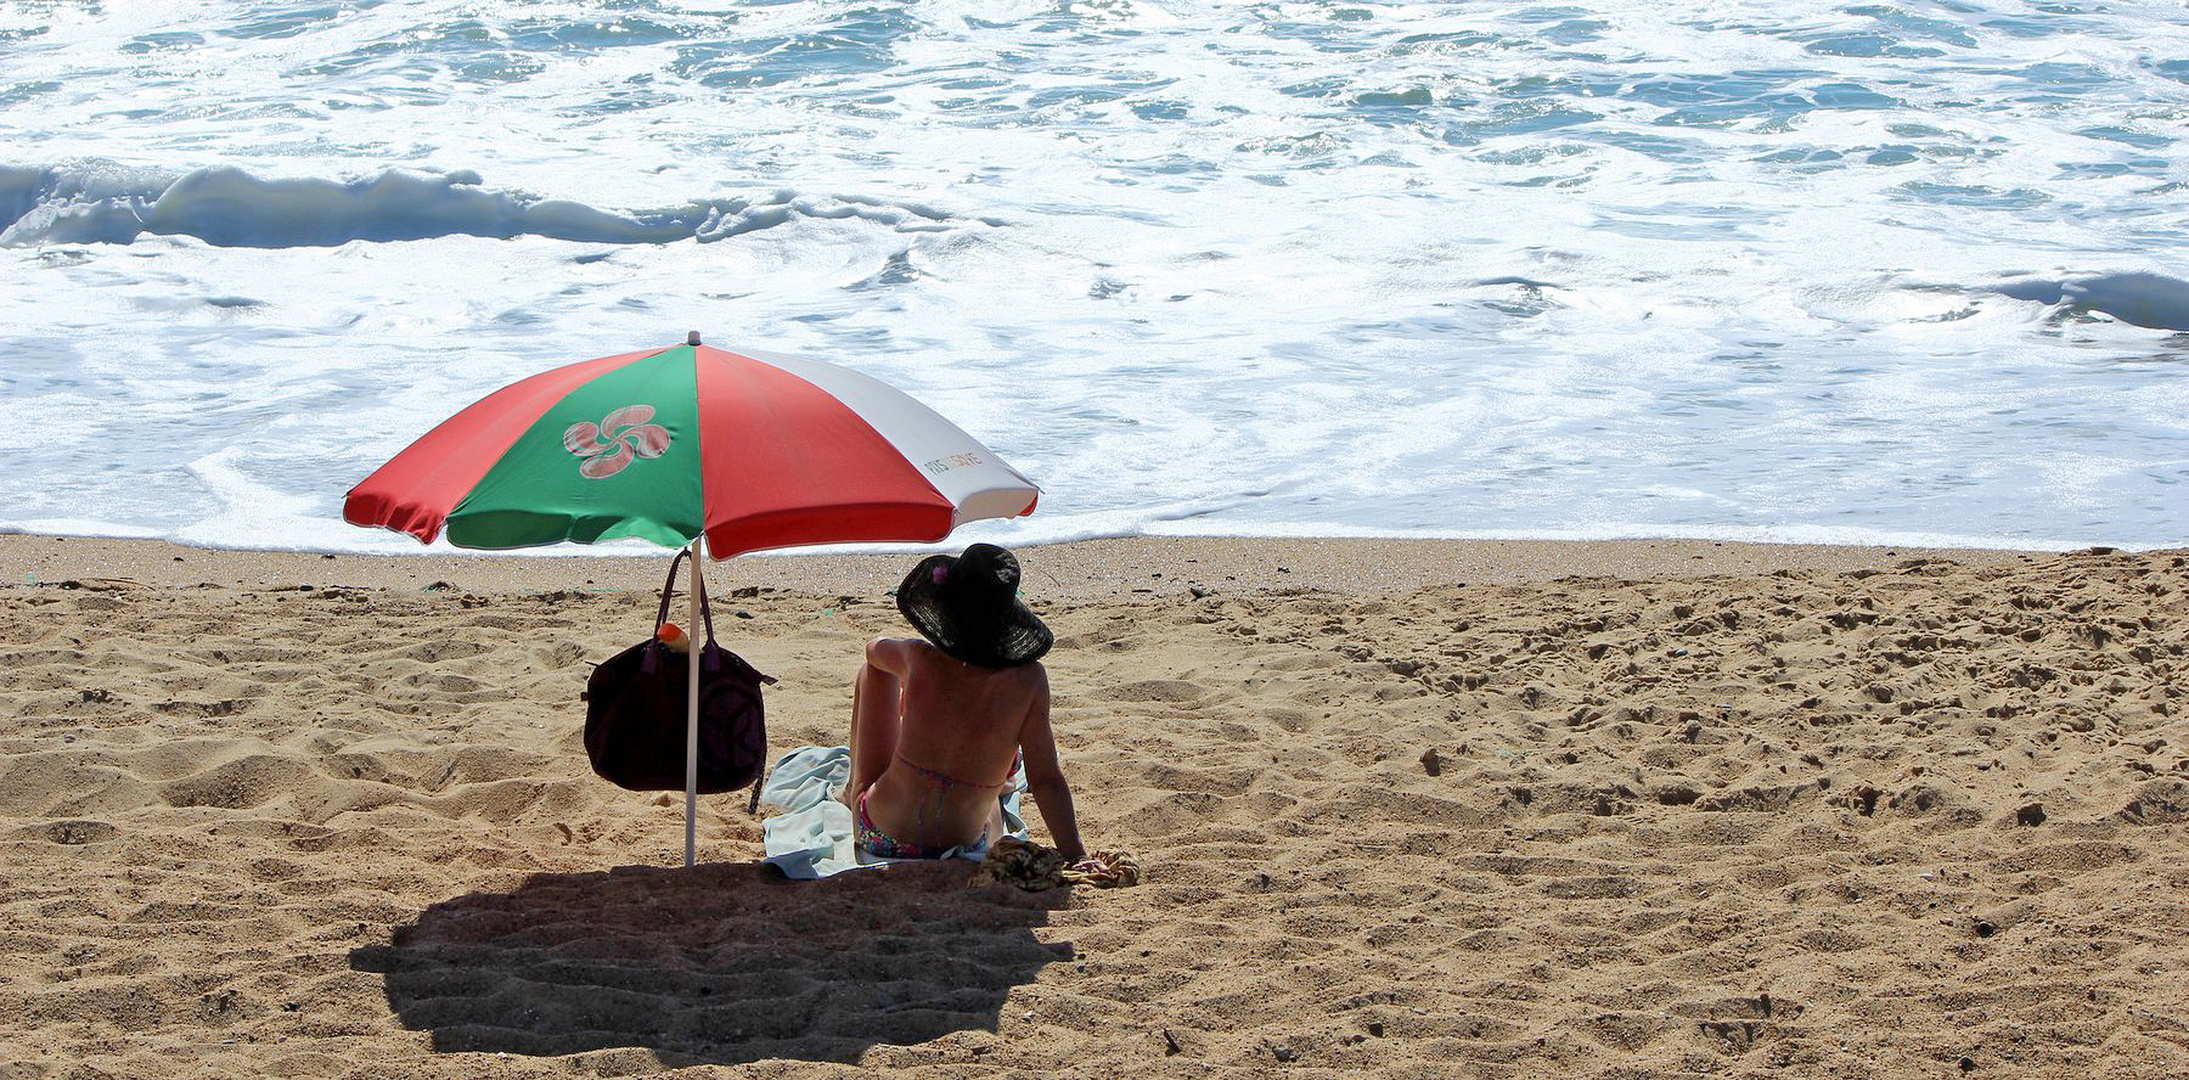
(874, 709)
(1045, 775)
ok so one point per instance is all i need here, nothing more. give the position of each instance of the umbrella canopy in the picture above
(753, 450)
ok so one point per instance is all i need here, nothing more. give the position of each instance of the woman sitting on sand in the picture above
(938, 727)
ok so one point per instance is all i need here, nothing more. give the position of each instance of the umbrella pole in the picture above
(691, 717)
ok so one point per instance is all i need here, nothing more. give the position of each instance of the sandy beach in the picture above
(1423, 809)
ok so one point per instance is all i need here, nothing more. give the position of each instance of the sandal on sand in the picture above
(1034, 867)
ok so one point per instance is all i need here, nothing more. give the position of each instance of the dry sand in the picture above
(1710, 810)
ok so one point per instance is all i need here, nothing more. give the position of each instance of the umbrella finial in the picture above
(692, 338)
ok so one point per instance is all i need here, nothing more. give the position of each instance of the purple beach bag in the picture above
(637, 704)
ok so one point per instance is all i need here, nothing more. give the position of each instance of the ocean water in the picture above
(1861, 272)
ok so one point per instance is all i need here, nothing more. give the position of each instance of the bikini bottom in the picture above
(881, 845)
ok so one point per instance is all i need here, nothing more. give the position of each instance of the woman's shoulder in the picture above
(921, 653)
(1025, 682)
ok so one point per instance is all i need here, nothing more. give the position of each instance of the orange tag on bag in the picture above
(674, 637)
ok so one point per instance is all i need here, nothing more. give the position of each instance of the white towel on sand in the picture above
(811, 837)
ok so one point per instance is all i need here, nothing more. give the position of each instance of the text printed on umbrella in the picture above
(622, 435)
(945, 464)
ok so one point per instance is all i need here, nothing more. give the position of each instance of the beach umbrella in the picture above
(725, 452)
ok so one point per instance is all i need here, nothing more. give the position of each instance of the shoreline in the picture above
(1076, 571)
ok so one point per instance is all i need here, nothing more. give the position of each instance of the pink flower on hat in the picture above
(620, 436)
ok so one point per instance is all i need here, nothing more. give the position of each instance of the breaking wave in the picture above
(2149, 300)
(227, 207)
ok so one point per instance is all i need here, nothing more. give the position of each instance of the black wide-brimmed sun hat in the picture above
(968, 606)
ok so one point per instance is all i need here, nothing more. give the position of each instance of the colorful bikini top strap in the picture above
(946, 781)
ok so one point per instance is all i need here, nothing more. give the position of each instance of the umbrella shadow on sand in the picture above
(724, 963)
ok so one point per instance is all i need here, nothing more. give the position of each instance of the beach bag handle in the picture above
(699, 582)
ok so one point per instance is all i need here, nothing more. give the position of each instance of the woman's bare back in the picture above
(936, 723)
(950, 744)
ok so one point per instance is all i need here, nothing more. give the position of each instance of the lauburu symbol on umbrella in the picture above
(621, 435)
